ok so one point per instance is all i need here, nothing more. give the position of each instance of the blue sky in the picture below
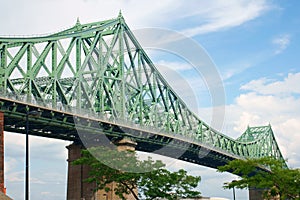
(255, 46)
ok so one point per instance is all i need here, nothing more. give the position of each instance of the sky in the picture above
(254, 46)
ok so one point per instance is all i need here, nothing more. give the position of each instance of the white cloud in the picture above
(216, 15)
(281, 43)
(45, 193)
(238, 68)
(262, 105)
(290, 85)
(42, 145)
(14, 139)
(31, 18)
(34, 180)
(177, 66)
(47, 164)
(9, 164)
(16, 176)
(223, 14)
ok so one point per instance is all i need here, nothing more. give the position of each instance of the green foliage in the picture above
(130, 173)
(265, 173)
(170, 185)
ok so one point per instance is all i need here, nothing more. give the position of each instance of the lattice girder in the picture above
(101, 67)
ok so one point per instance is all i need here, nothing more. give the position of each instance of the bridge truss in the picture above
(101, 69)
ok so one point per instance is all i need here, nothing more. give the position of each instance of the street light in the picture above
(233, 189)
(33, 113)
(233, 193)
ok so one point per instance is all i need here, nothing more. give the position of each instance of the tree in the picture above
(170, 185)
(129, 173)
(268, 174)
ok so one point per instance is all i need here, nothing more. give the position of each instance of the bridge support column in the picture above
(2, 188)
(77, 188)
(255, 194)
(125, 144)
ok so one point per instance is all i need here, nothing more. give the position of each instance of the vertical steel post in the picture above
(34, 113)
(29, 92)
(233, 190)
(27, 159)
(233, 193)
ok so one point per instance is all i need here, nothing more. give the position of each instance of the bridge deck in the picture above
(91, 131)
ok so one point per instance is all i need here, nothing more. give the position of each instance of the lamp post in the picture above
(33, 113)
(233, 189)
(233, 193)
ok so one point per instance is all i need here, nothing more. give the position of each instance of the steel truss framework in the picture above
(102, 68)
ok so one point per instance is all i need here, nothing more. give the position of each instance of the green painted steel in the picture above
(102, 68)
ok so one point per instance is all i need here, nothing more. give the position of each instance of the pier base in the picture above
(255, 194)
(77, 188)
(2, 188)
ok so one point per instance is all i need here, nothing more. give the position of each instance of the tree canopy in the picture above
(129, 173)
(265, 173)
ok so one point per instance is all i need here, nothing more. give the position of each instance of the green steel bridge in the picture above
(94, 82)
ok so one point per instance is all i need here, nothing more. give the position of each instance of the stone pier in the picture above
(255, 194)
(2, 188)
(77, 188)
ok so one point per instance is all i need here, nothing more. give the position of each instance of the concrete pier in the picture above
(255, 194)
(2, 188)
(77, 188)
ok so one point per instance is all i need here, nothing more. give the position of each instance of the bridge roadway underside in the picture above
(92, 132)
(61, 125)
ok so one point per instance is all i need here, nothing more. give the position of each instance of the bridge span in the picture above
(94, 83)
(88, 128)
